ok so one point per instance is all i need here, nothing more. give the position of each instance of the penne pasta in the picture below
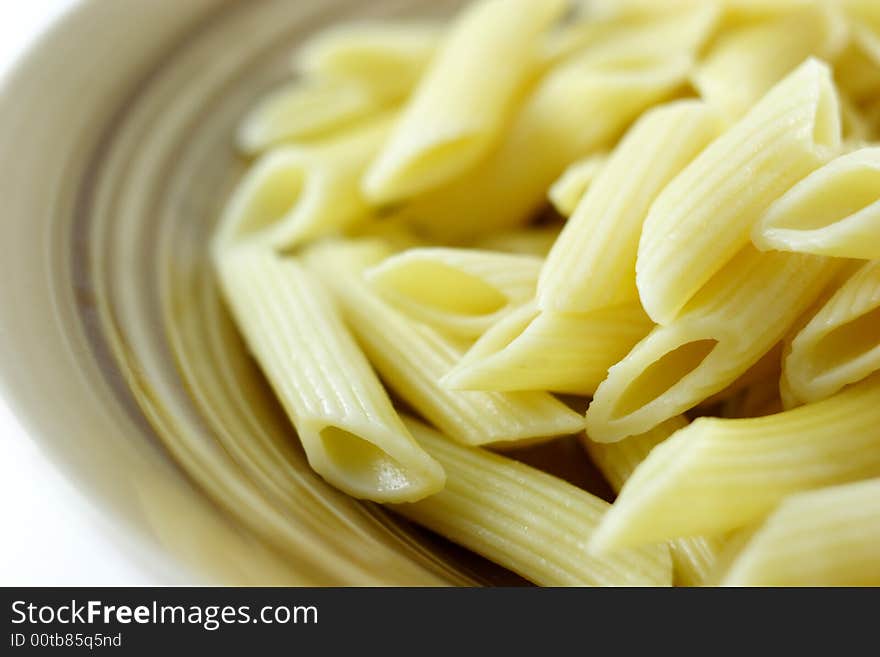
(841, 344)
(298, 193)
(704, 216)
(827, 537)
(593, 263)
(545, 350)
(834, 211)
(351, 434)
(457, 113)
(412, 358)
(569, 189)
(718, 475)
(577, 108)
(535, 241)
(461, 292)
(747, 61)
(530, 522)
(386, 58)
(731, 323)
(693, 558)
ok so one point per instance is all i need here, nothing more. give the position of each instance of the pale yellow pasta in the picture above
(535, 241)
(841, 344)
(545, 350)
(569, 189)
(769, 367)
(717, 475)
(352, 435)
(526, 520)
(593, 263)
(726, 328)
(465, 99)
(693, 558)
(827, 537)
(576, 109)
(703, 218)
(834, 211)
(746, 62)
(296, 193)
(461, 292)
(412, 357)
(387, 58)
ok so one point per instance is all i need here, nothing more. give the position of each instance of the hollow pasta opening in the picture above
(364, 465)
(656, 379)
(442, 288)
(271, 193)
(848, 342)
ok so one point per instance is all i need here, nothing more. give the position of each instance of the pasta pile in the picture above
(667, 210)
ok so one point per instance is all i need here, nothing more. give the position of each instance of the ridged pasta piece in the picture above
(461, 292)
(746, 62)
(535, 241)
(545, 350)
(827, 537)
(703, 218)
(834, 211)
(593, 263)
(465, 99)
(388, 58)
(857, 69)
(569, 189)
(351, 434)
(412, 357)
(577, 108)
(717, 475)
(726, 328)
(528, 521)
(841, 344)
(694, 558)
(296, 193)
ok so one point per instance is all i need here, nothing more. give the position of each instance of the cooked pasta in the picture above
(717, 475)
(703, 218)
(827, 537)
(727, 327)
(411, 358)
(535, 524)
(834, 211)
(666, 213)
(693, 558)
(460, 107)
(546, 350)
(352, 435)
(841, 344)
(461, 292)
(593, 263)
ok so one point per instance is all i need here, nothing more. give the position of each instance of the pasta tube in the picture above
(593, 263)
(841, 344)
(351, 434)
(717, 475)
(461, 292)
(704, 216)
(693, 558)
(746, 62)
(577, 108)
(530, 522)
(298, 193)
(546, 350)
(731, 323)
(412, 358)
(569, 189)
(827, 537)
(463, 102)
(834, 211)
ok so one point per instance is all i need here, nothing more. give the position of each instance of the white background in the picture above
(49, 535)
